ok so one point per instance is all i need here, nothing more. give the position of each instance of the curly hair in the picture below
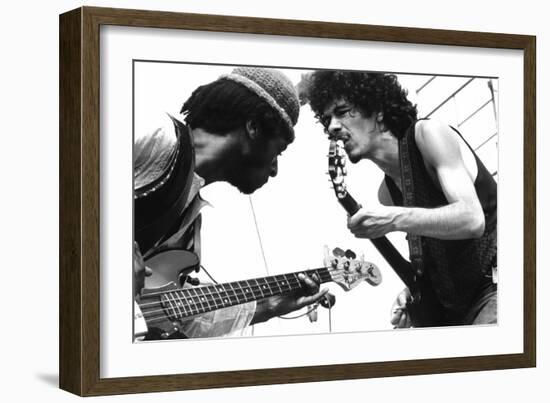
(224, 105)
(369, 92)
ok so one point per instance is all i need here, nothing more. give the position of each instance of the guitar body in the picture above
(167, 267)
(426, 311)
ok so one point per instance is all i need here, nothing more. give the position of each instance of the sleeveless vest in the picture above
(456, 269)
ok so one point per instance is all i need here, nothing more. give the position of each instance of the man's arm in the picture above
(462, 218)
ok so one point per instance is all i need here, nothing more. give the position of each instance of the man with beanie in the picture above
(435, 189)
(235, 128)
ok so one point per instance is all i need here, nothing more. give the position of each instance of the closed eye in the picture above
(341, 112)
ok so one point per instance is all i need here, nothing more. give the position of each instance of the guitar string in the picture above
(214, 297)
(217, 289)
(273, 279)
(205, 299)
(198, 299)
(327, 276)
(151, 319)
(184, 315)
(212, 292)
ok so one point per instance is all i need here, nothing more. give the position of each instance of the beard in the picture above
(248, 174)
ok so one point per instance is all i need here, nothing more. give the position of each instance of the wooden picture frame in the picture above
(79, 200)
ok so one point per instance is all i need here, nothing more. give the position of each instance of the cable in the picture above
(313, 309)
(301, 315)
(258, 234)
(208, 274)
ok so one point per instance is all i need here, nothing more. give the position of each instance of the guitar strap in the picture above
(415, 241)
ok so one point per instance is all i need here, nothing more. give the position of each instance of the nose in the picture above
(334, 126)
(274, 167)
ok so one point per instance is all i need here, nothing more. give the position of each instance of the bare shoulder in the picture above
(384, 196)
(432, 131)
(436, 141)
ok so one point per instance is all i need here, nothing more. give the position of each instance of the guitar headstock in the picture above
(347, 271)
(337, 168)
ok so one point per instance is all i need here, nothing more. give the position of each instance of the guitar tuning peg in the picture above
(346, 265)
(338, 252)
(350, 254)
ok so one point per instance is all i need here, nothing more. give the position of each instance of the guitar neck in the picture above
(400, 265)
(187, 302)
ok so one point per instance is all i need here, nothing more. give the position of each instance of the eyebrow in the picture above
(335, 108)
(341, 106)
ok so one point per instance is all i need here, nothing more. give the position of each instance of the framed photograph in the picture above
(249, 201)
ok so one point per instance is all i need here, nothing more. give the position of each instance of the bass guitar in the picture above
(424, 308)
(163, 306)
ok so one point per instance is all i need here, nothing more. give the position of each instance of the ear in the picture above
(252, 131)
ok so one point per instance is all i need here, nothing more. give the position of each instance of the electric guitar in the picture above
(164, 306)
(424, 308)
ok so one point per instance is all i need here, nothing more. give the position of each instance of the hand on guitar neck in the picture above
(279, 305)
(373, 222)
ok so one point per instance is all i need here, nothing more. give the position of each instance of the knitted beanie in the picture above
(273, 87)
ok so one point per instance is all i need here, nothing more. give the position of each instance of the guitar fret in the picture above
(235, 293)
(321, 275)
(167, 298)
(177, 303)
(183, 300)
(213, 293)
(265, 288)
(204, 298)
(293, 281)
(197, 300)
(224, 301)
(277, 284)
(219, 296)
(259, 288)
(239, 288)
(298, 282)
(247, 292)
(193, 301)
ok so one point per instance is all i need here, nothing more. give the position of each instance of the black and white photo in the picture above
(239, 231)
